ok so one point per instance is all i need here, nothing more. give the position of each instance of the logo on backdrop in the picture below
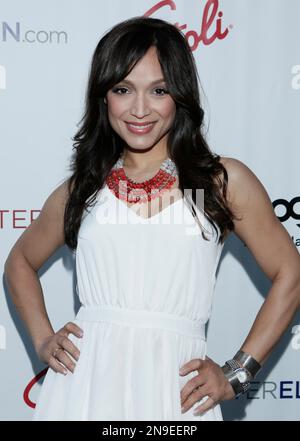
(2, 337)
(210, 28)
(296, 338)
(295, 83)
(15, 33)
(30, 386)
(282, 390)
(288, 210)
(2, 77)
(211, 23)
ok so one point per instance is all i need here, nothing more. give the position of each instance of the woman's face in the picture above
(141, 98)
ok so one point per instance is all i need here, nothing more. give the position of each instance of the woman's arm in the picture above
(276, 254)
(38, 242)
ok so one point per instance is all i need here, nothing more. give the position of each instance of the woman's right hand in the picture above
(55, 349)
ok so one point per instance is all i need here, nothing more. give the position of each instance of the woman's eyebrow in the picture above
(160, 80)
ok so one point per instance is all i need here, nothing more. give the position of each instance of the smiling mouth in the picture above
(140, 129)
(137, 124)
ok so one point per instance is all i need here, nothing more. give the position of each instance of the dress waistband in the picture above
(142, 318)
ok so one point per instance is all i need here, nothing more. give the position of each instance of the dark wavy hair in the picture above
(97, 146)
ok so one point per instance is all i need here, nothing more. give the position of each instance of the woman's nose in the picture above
(140, 106)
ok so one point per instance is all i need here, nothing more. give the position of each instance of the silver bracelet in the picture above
(248, 362)
(238, 377)
(240, 370)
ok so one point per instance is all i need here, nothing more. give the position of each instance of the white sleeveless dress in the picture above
(146, 288)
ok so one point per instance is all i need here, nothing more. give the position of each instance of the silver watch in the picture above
(240, 370)
(238, 376)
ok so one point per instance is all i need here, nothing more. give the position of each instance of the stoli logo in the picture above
(209, 21)
(30, 386)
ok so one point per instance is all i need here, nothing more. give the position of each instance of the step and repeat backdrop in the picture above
(248, 57)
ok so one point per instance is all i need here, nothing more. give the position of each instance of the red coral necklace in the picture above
(138, 192)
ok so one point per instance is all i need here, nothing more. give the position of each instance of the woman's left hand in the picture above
(210, 382)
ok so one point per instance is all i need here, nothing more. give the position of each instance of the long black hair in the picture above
(97, 146)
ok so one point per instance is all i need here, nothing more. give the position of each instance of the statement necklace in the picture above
(138, 192)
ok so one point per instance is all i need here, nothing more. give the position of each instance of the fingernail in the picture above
(80, 334)
(182, 371)
(182, 410)
(65, 372)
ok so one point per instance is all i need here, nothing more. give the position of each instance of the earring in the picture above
(105, 101)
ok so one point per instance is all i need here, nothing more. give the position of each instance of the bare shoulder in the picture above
(46, 233)
(57, 199)
(54, 205)
(243, 187)
(257, 224)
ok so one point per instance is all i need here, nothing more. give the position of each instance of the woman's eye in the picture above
(164, 90)
(118, 89)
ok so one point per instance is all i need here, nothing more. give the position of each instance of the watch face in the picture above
(242, 375)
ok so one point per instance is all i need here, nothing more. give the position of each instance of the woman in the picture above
(146, 284)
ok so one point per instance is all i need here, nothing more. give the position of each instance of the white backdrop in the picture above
(249, 65)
